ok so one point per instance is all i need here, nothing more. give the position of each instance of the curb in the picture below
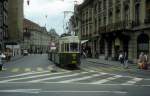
(17, 58)
(107, 63)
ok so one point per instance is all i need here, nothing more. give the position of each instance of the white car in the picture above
(25, 52)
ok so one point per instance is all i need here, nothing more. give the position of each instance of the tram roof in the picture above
(70, 39)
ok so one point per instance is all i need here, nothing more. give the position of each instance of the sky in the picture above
(49, 13)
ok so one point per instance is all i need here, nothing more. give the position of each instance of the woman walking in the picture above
(2, 56)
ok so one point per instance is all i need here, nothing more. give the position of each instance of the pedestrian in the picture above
(96, 54)
(2, 57)
(121, 58)
(146, 62)
(125, 59)
(142, 61)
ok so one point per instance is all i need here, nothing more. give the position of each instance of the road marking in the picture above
(40, 69)
(37, 91)
(49, 67)
(27, 69)
(31, 91)
(133, 81)
(57, 77)
(83, 78)
(114, 92)
(29, 77)
(107, 79)
(15, 70)
(73, 83)
(24, 74)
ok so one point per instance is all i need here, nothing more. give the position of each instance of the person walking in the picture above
(142, 61)
(121, 58)
(2, 56)
(125, 60)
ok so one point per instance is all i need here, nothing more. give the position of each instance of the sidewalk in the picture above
(107, 62)
(133, 69)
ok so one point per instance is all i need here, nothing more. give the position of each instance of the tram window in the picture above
(73, 46)
(62, 48)
(67, 47)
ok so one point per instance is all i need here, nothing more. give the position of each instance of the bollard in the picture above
(1, 66)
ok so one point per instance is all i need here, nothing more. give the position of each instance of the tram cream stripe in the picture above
(133, 81)
(29, 77)
(83, 78)
(57, 77)
(107, 79)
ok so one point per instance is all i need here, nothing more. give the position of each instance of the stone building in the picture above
(3, 23)
(15, 20)
(36, 38)
(13, 38)
(111, 26)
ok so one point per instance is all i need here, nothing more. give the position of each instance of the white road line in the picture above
(114, 92)
(37, 91)
(57, 77)
(133, 81)
(31, 91)
(73, 84)
(107, 79)
(24, 74)
(29, 77)
(83, 78)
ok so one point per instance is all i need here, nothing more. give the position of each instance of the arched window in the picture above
(142, 44)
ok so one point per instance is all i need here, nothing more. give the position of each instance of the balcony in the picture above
(119, 26)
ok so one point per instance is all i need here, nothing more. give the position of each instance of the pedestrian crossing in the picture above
(76, 77)
(28, 69)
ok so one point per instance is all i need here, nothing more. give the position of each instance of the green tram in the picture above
(68, 52)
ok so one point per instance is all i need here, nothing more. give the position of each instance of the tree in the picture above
(53, 32)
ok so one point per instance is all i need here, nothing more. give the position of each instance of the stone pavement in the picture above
(16, 57)
(108, 62)
(133, 69)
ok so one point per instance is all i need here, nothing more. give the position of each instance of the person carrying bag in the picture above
(2, 57)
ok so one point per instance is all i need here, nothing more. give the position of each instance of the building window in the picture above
(127, 13)
(118, 17)
(104, 4)
(147, 20)
(137, 14)
(104, 21)
(99, 21)
(110, 3)
(110, 18)
(99, 7)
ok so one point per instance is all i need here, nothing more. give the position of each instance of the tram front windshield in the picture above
(74, 47)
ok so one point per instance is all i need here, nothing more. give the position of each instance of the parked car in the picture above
(25, 52)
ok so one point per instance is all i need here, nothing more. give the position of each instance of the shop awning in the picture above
(84, 41)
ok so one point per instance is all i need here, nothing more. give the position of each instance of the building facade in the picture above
(3, 23)
(36, 38)
(15, 20)
(111, 26)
